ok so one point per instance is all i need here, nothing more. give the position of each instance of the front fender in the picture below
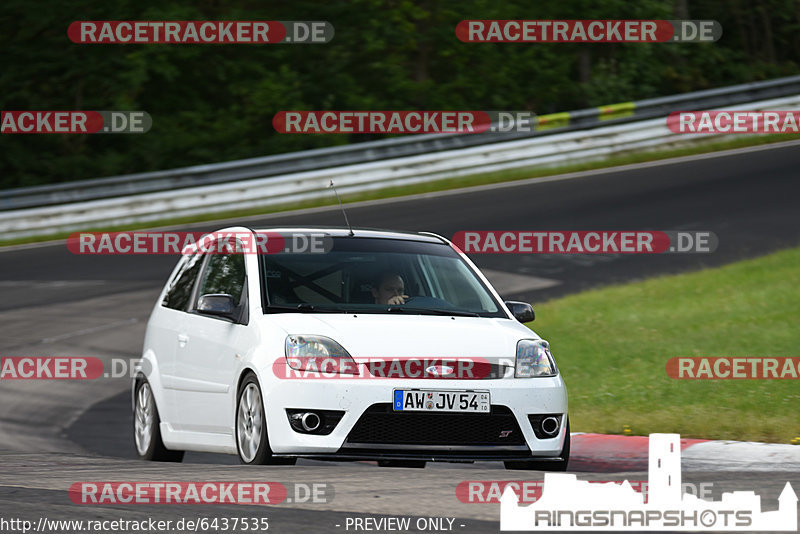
(147, 369)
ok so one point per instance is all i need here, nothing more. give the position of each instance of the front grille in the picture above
(381, 424)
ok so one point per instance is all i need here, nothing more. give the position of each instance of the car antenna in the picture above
(342, 207)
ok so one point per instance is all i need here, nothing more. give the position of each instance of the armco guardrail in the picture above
(543, 151)
(326, 158)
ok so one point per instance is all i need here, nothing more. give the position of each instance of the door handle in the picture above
(183, 339)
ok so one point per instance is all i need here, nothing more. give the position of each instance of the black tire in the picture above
(254, 424)
(416, 464)
(146, 427)
(538, 465)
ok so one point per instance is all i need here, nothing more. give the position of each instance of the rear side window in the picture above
(180, 292)
(224, 273)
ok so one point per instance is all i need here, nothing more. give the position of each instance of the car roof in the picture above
(337, 231)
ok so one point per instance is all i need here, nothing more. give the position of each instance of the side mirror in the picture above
(221, 305)
(522, 311)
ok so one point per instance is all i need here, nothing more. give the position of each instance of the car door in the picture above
(210, 349)
(164, 327)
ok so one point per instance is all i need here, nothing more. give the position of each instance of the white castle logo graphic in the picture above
(571, 504)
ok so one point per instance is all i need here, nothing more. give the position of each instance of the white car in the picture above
(362, 345)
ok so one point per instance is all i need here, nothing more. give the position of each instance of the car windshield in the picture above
(375, 275)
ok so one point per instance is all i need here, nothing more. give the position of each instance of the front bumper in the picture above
(430, 436)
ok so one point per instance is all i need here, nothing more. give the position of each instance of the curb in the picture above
(606, 453)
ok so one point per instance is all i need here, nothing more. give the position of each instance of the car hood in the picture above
(411, 336)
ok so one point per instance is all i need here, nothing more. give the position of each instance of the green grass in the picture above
(612, 345)
(438, 185)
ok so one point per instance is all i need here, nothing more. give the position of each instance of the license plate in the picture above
(415, 400)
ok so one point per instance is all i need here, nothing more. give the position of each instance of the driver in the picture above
(389, 288)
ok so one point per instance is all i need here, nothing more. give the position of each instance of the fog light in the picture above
(310, 421)
(545, 426)
(320, 422)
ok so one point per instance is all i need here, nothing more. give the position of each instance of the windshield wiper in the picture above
(305, 307)
(298, 308)
(435, 311)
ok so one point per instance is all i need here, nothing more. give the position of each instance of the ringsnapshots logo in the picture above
(567, 503)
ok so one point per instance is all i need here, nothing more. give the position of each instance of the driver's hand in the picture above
(396, 300)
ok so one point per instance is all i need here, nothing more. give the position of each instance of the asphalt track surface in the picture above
(53, 433)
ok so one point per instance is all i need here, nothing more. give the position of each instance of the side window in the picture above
(180, 292)
(224, 273)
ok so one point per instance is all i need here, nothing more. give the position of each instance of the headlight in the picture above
(318, 353)
(534, 359)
